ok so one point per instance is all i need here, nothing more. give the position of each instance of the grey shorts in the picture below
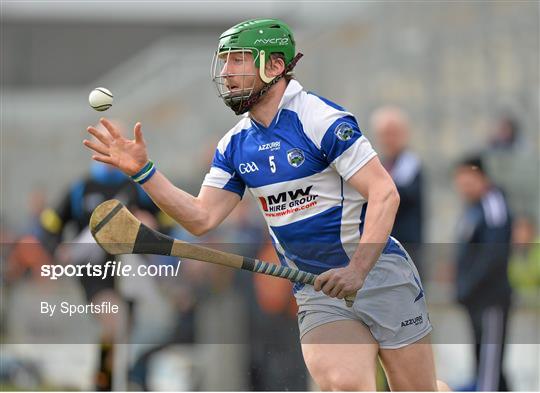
(391, 304)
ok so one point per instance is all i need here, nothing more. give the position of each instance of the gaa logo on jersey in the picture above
(344, 132)
(295, 157)
(247, 167)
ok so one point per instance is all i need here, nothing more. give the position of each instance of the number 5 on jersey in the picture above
(272, 164)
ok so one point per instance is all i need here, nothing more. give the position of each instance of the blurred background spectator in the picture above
(103, 182)
(507, 134)
(276, 354)
(484, 235)
(392, 131)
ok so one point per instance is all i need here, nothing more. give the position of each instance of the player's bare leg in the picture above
(341, 356)
(443, 386)
(411, 368)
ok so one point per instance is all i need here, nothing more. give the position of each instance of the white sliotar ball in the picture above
(100, 99)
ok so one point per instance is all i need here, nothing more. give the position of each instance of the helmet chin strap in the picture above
(244, 106)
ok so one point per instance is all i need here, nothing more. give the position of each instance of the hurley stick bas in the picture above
(118, 231)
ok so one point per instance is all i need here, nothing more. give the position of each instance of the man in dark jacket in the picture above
(484, 234)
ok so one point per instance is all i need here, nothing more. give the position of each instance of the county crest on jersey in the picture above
(295, 157)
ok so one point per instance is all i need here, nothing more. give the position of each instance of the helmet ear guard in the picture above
(262, 67)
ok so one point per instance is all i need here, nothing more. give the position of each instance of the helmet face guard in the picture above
(235, 89)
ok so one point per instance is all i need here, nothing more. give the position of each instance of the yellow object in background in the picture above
(51, 221)
(524, 268)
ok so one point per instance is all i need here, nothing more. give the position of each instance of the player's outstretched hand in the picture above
(111, 147)
(340, 282)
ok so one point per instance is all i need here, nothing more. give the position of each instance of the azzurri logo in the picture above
(295, 157)
(413, 321)
(270, 146)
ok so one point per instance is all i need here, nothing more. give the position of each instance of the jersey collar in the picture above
(293, 88)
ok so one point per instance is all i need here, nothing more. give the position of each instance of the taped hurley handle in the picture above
(192, 251)
(118, 231)
(294, 275)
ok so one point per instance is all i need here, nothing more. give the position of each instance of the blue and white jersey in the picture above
(297, 170)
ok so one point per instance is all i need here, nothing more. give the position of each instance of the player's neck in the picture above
(266, 109)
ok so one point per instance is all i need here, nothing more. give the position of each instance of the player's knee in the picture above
(345, 382)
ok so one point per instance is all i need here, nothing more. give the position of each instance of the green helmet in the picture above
(261, 38)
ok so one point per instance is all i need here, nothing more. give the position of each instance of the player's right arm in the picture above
(196, 214)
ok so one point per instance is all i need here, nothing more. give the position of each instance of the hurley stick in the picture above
(118, 231)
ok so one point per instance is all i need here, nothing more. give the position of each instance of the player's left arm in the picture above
(375, 184)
